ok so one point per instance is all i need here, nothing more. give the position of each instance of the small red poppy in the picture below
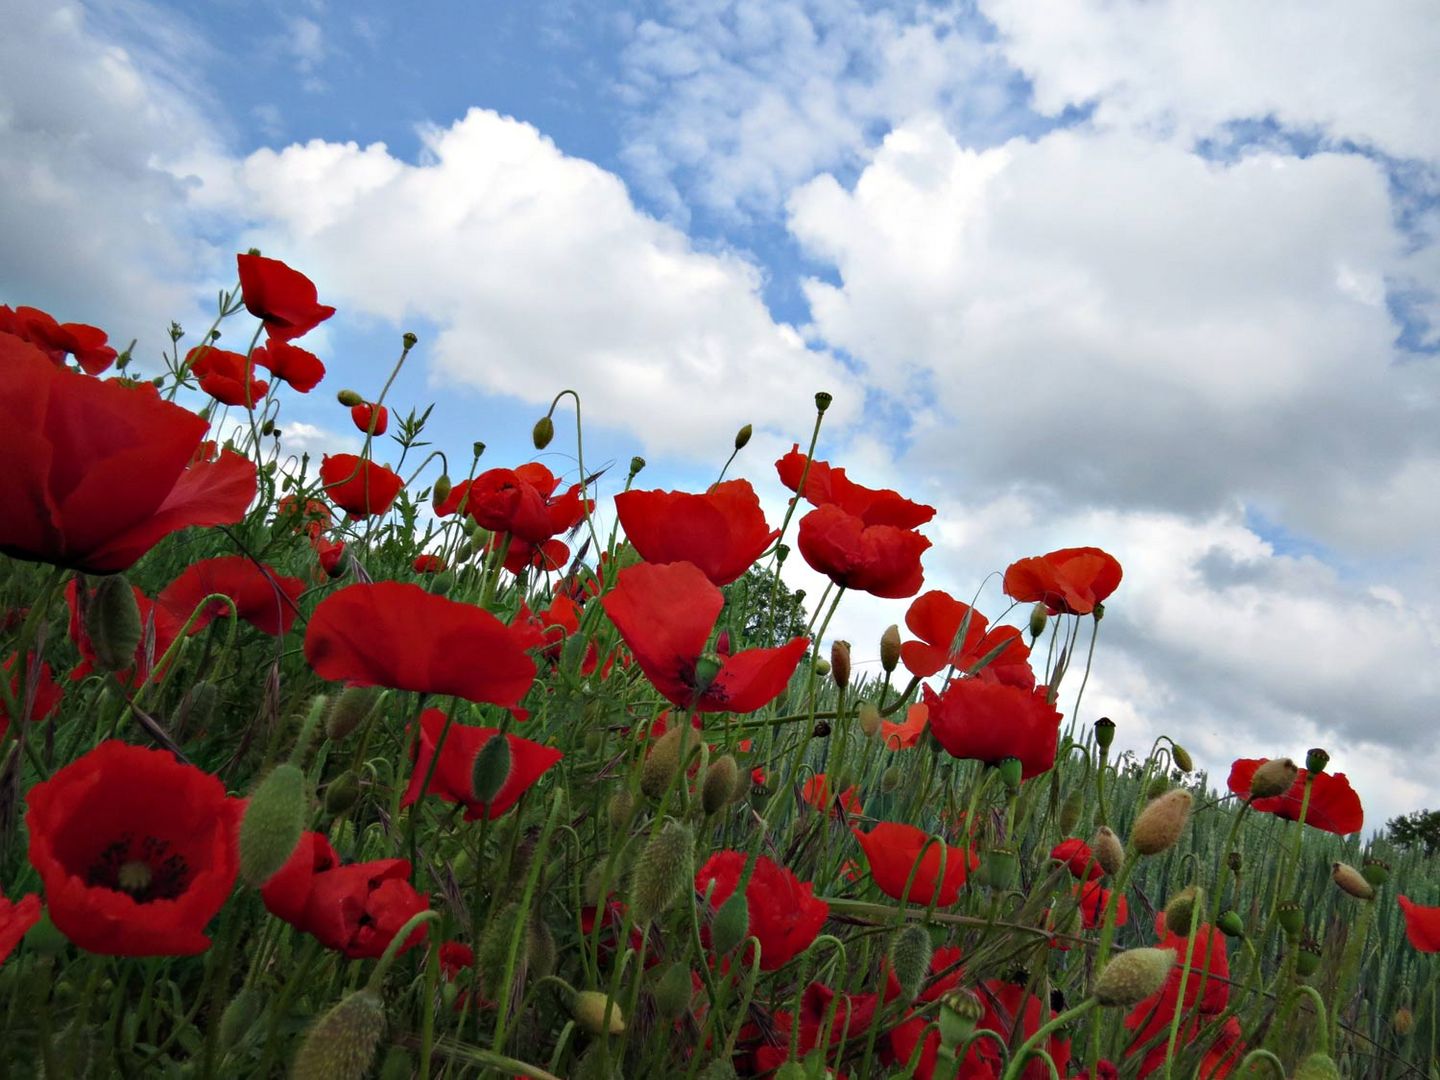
(882, 560)
(157, 631)
(136, 850)
(665, 612)
(455, 957)
(284, 299)
(359, 487)
(41, 690)
(1334, 807)
(893, 851)
(310, 516)
(223, 375)
(785, 916)
(521, 555)
(722, 530)
(1422, 924)
(519, 501)
(16, 919)
(849, 1015)
(826, 486)
(428, 563)
(57, 340)
(371, 419)
(936, 617)
(263, 598)
(907, 734)
(816, 792)
(453, 778)
(1077, 856)
(301, 369)
(1069, 581)
(990, 722)
(331, 554)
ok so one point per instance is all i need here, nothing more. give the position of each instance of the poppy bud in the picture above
(722, 643)
(1316, 759)
(743, 436)
(1274, 777)
(1104, 731)
(1290, 917)
(674, 992)
(822, 401)
(1039, 616)
(1180, 912)
(719, 786)
(890, 648)
(274, 819)
(910, 952)
(1351, 881)
(870, 719)
(793, 1070)
(1307, 959)
(731, 923)
(662, 763)
(1403, 1022)
(349, 708)
(822, 667)
(1133, 976)
(349, 398)
(663, 871)
(719, 1069)
(840, 663)
(890, 779)
(591, 1009)
(342, 1043)
(620, 810)
(1375, 871)
(408, 340)
(1160, 824)
(1011, 773)
(1001, 867)
(1105, 847)
(1070, 811)
(1231, 924)
(240, 1015)
(960, 1011)
(1318, 1066)
(343, 792)
(112, 622)
(543, 432)
(441, 491)
(1181, 757)
(636, 464)
(821, 730)
(706, 669)
(1158, 786)
(267, 428)
(491, 768)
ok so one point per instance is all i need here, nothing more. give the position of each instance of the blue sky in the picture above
(1156, 276)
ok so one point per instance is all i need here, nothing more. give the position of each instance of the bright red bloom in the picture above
(1069, 581)
(853, 1015)
(784, 915)
(991, 722)
(1093, 899)
(43, 692)
(935, 617)
(893, 851)
(521, 555)
(263, 598)
(1205, 997)
(882, 560)
(356, 909)
(428, 563)
(665, 612)
(56, 339)
(331, 554)
(816, 792)
(136, 850)
(360, 488)
(1334, 806)
(722, 531)
(94, 474)
(222, 375)
(366, 414)
(455, 957)
(284, 299)
(1422, 924)
(453, 780)
(519, 501)
(157, 632)
(290, 364)
(825, 486)
(1076, 855)
(907, 734)
(398, 635)
(16, 919)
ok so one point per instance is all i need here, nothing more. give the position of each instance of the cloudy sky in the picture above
(1160, 276)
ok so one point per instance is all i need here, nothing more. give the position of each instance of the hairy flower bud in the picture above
(890, 648)
(341, 1045)
(731, 924)
(274, 819)
(662, 763)
(1275, 777)
(349, 398)
(1133, 976)
(543, 432)
(1039, 616)
(1070, 811)
(491, 768)
(343, 792)
(349, 709)
(870, 719)
(674, 992)
(840, 663)
(743, 436)
(1158, 786)
(597, 1013)
(1181, 757)
(1106, 848)
(1403, 1022)
(1351, 881)
(441, 491)
(240, 1015)
(910, 951)
(1180, 914)
(890, 779)
(112, 622)
(719, 786)
(1160, 824)
(663, 871)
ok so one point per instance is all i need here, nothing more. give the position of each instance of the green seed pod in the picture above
(1291, 917)
(1133, 976)
(349, 709)
(822, 400)
(1104, 731)
(543, 432)
(674, 992)
(1070, 811)
(112, 622)
(731, 923)
(620, 809)
(1316, 759)
(1180, 914)
(240, 1015)
(663, 871)
(491, 768)
(408, 339)
(342, 1043)
(1275, 777)
(597, 1013)
(1011, 773)
(1160, 824)
(1181, 757)
(960, 1011)
(1375, 871)
(274, 819)
(742, 437)
(719, 786)
(1307, 958)
(636, 464)
(1231, 924)
(343, 792)
(910, 952)
(663, 762)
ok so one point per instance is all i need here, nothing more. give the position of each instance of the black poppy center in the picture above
(142, 867)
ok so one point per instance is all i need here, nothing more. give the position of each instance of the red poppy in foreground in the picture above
(1070, 581)
(284, 299)
(371, 419)
(1076, 855)
(722, 531)
(784, 915)
(990, 722)
(936, 617)
(16, 919)
(88, 344)
(1422, 925)
(41, 690)
(665, 613)
(359, 487)
(882, 560)
(290, 364)
(453, 778)
(894, 851)
(519, 501)
(356, 909)
(226, 376)
(398, 635)
(136, 850)
(263, 598)
(157, 632)
(93, 473)
(1334, 807)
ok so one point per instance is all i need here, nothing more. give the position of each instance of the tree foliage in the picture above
(1419, 829)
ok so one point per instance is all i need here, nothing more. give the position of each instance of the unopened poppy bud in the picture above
(743, 436)
(1180, 912)
(840, 663)
(1001, 867)
(663, 872)
(1160, 824)
(821, 730)
(1318, 1066)
(112, 622)
(1291, 918)
(1158, 786)
(870, 719)
(1104, 732)
(1307, 958)
(1039, 616)
(1316, 759)
(890, 779)
(1011, 773)
(349, 709)
(1351, 881)
(960, 1011)
(240, 1015)
(491, 769)
(267, 428)
(349, 398)
(342, 1043)
(674, 992)
(441, 491)
(1403, 1022)
(1375, 871)
(662, 763)
(1070, 811)
(822, 401)
(822, 667)
(1274, 777)
(1106, 848)
(636, 464)
(731, 923)
(543, 432)
(274, 819)
(1231, 924)
(722, 643)
(707, 667)
(910, 952)
(1133, 976)
(890, 648)
(1181, 757)
(620, 810)
(597, 1013)
(343, 792)
(719, 786)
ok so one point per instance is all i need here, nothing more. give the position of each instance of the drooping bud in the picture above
(674, 992)
(1275, 777)
(662, 763)
(822, 667)
(663, 871)
(491, 768)
(1181, 757)
(342, 1043)
(349, 709)
(343, 792)
(1105, 846)
(870, 719)
(543, 432)
(1231, 924)
(1376, 871)
(890, 648)
(822, 401)
(743, 436)
(731, 923)
(1290, 917)
(274, 819)
(960, 1011)
(910, 951)
(1011, 773)
(112, 622)
(1180, 914)
(1133, 976)
(1039, 616)
(597, 1013)
(441, 491)
(1104, 732)
(1351, 881)
(1070, 811)
(1316, 759)
(719, 786)
(349, 398)
(840, 663)
(890, 779)
(1160, 824)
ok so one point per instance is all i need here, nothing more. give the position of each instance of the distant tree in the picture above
(1418, 829)
(759, 618)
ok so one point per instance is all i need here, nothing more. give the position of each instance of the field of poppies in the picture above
(407, 766)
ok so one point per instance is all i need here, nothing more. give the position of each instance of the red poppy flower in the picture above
(311, 516)
(1093, 899)
(825, 486)
(991, 722)
(398, 635)
(455, 957)
(784, 915)
(935, 617)
(1334, 806)
(882, 560)
(365, 414)
(223, 375)
(1007, 1006)
(428, 563)
(521, 555)
(1069, 581)
(136, 850)
(1422, 925)
(356, 909)
(722, 531)
(519, 501)
(331, 554)
(157, 632)
(359, 487)
(56, 339)
(453, 780)
(665, 612)
(816, 792)
(284, 299)
(852, 1017)
(893, 850)
(906, 735)
(41, 690)
(93, 474)
(264, 599)
(1076, 855)
(16, 919)
(1205, 996)
(290, 364)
